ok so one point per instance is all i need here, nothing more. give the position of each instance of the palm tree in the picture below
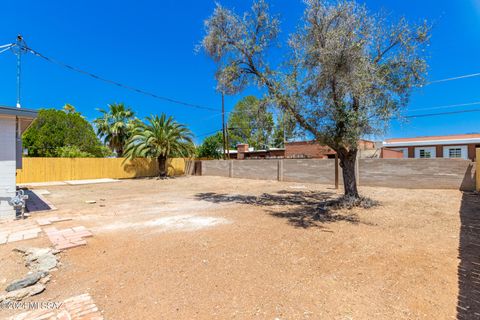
(115, 126)
(68, 108)
(160, 138)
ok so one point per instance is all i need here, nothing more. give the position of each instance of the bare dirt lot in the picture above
(219, 248)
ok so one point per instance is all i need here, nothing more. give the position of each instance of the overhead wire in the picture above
(441, 113)
(6, 47)
(447, 106)
(208, 133)
(472, 75)
(397, 118)
(118, 84)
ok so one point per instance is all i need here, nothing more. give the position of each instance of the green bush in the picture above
(55, 133)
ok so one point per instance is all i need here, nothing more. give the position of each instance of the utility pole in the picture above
(228, 142)
(19, 49)
(223, 128)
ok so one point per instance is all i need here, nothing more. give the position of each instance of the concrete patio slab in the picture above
(66, 182)
(42, 192)
(41, 184)
(91, 181)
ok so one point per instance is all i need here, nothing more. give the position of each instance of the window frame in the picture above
(431, 150)
(463, 152)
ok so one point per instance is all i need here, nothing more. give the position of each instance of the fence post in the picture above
(230, 169)
(280, 170)
(477, 159)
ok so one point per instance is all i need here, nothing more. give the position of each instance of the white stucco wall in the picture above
(7, 165)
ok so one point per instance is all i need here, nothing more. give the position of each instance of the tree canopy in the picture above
(285, 130)
(115, 126)
(211, 147)
(250, 122)
(54, 132)
(347, 73)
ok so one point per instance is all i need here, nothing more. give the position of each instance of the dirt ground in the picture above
(219, 248)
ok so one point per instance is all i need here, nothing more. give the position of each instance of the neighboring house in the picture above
(245, 152)
(13, 122)
(301, 150)
(314, 150)
(308, 150)
(460, 146)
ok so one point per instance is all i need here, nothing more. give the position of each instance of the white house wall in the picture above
(7, 165)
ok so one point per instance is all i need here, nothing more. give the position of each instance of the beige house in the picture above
(460, 146)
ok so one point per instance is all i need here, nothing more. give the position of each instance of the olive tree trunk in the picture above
(120, 152)
(162, 166)
(348, 159)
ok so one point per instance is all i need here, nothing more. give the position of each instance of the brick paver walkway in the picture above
(28, 229)
(79, 307)
(18, 230)
(68, 238)
(50, 220)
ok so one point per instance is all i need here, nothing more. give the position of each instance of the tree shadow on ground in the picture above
(303, 209)
(468, 305)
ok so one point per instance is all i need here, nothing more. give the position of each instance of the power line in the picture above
(408, 116)
(396, 118)
(441, 113)
(124, 86)
(454, 78)
(6, 47)
(448, 106)
(208, 133)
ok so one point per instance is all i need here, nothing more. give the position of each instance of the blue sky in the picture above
(150, 45)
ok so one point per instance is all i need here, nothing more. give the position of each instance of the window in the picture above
(425, 153)
(455, 153)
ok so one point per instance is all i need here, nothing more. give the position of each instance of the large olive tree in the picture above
(346, 74)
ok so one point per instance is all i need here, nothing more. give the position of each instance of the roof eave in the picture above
(19, 112)
(432, 142)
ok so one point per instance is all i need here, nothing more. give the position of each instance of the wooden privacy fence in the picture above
(62, 169)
